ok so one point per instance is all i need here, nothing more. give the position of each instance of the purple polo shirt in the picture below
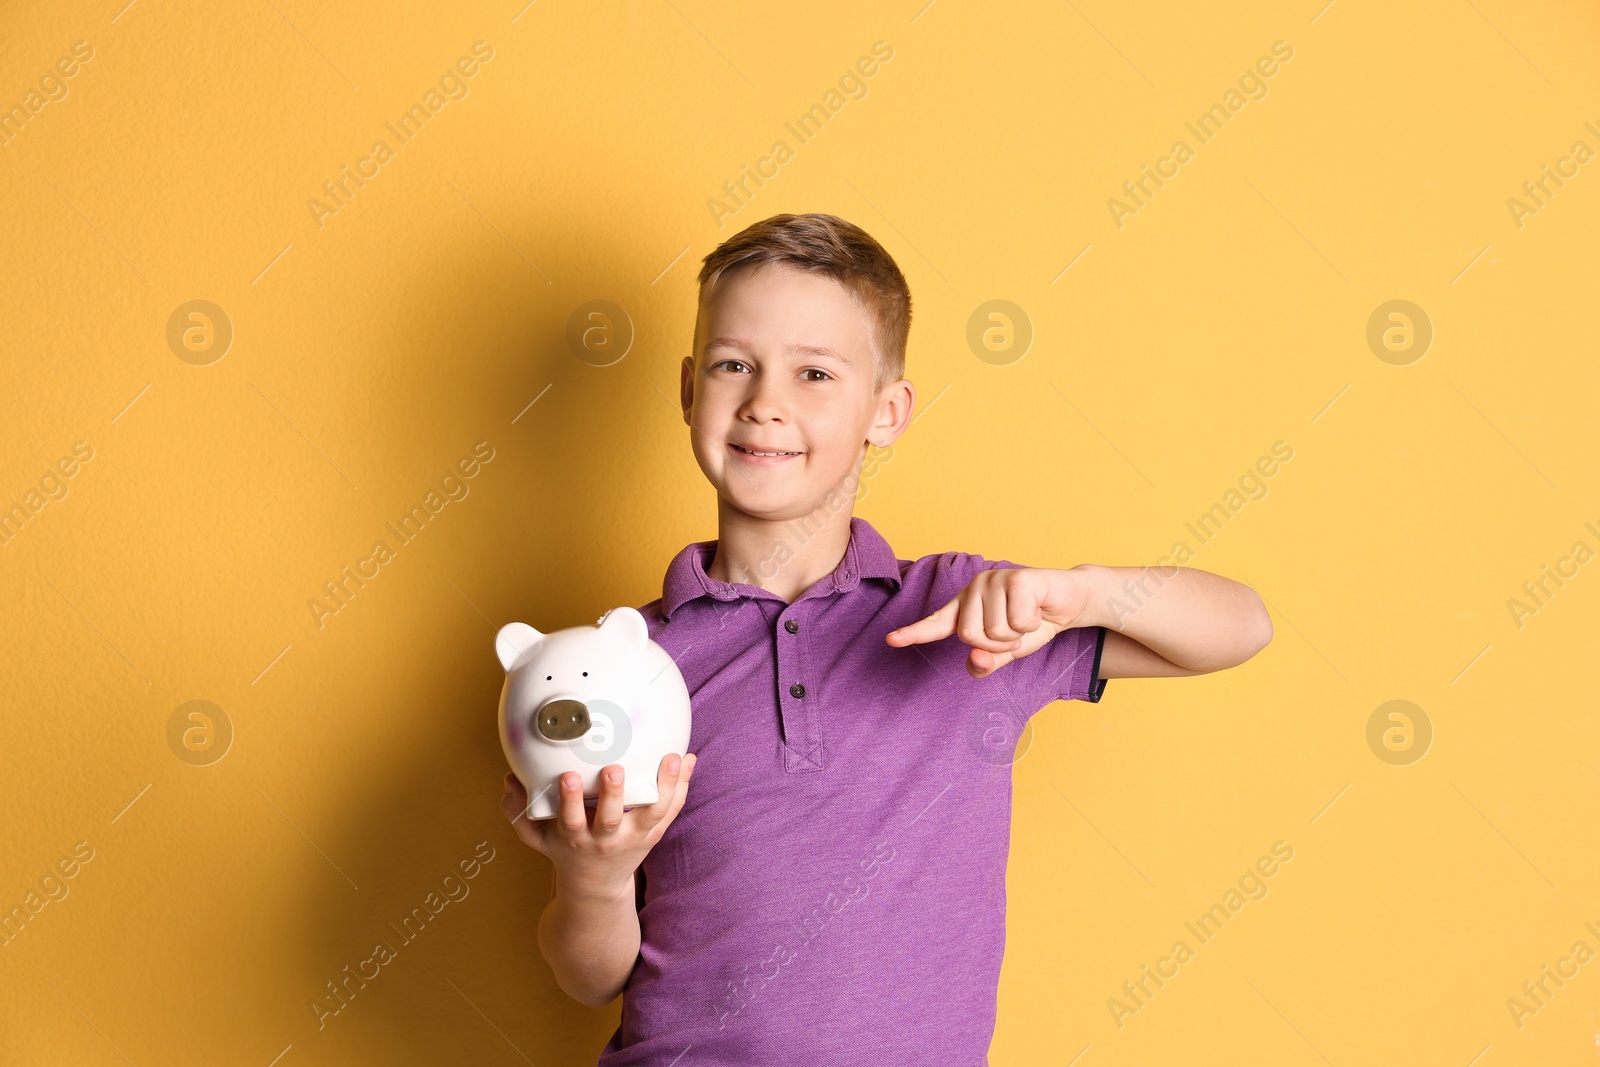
(833, 891)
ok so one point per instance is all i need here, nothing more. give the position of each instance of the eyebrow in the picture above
(815, 351)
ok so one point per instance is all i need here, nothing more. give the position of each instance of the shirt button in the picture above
(797, 690)
(791, 625)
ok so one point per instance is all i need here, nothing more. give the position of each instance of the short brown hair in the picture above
(834, 248)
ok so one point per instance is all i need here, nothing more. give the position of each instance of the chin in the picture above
(781, 507)
(771, 508)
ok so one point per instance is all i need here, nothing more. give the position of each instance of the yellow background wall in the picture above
(378, 340)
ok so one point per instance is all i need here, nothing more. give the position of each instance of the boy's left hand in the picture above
(1004, 614)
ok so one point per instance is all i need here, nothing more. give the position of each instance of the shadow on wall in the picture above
(435, 957)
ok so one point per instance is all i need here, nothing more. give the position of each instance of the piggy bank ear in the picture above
(626, 625)
(515, 643)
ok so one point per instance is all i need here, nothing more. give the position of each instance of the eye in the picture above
(586, 674)
(816, 370)
(548, 677)
(726, 362)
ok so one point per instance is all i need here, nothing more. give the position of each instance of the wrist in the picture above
(590, 888)
(1096, 584)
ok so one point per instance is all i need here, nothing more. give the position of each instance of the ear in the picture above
(627, 625)
(515, 643)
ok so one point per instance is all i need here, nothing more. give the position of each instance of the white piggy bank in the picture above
(586, 697)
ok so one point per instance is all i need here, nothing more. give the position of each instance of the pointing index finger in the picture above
(939, 625)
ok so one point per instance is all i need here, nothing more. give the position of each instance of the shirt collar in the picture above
(867, 555)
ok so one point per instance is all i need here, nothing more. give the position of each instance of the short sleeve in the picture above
(1067, 668)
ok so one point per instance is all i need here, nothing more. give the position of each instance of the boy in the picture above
(833, 892)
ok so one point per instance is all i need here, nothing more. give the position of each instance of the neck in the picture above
(783, 556)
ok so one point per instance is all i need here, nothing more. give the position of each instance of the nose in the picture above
(765, 400)
(562, 720)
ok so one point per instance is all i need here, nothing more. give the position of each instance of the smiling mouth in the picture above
(763, 455)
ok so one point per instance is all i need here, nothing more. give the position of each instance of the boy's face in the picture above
(760, 380)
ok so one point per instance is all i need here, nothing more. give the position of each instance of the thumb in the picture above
(982, 663)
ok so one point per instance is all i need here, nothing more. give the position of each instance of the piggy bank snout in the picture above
(563, 720)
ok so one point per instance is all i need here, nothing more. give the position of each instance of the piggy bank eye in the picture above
(586, 674)
(548, 677)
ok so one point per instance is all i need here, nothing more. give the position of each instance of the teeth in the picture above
(743, 449)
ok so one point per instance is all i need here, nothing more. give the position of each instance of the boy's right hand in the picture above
(599, 853)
